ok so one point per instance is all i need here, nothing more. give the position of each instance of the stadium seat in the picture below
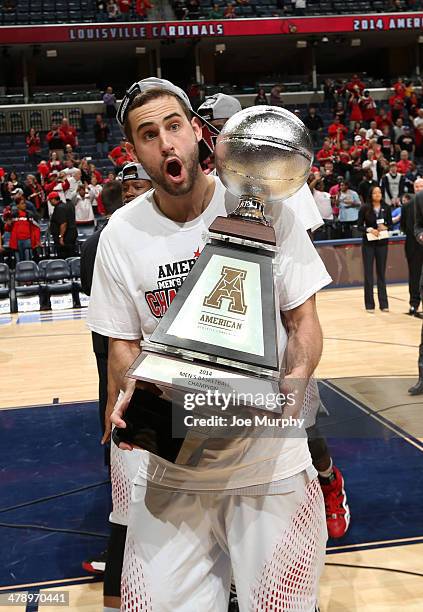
(42, 266)
(59, 284)
(4, 289)
(27, 286)
(36, 120)
(16, 123)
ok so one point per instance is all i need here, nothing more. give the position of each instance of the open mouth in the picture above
(174, 168)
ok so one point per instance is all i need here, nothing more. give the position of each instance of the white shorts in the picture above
(123, 469)
(181, 548)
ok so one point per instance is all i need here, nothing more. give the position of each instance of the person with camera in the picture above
(374, 221)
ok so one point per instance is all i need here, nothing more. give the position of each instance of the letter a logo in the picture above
(228, 287)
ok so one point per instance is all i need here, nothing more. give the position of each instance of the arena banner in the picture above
(392, 22)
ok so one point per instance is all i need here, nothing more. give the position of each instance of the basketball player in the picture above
(258, 508)
(123, 466)
(135, 181)
(217, 110)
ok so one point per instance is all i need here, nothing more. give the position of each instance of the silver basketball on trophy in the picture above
(264, 152)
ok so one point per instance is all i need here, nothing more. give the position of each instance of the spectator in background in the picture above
(54, 162)
(418, 121)
(399, 88)
(375, 217)
(75, 182)
(404, 164)
(373, 131)
(261, 97)
(56, 141)
(62, 226)
(94, 191)
(355, 84)
(365, 185)
(69, 133)
(337, 131)
(83, 202)
(392, 185)
(59, 185)
(124, 6)
(33, 145)
(383, 119)
(111, 176)
(328, 175)
(348, 202)
(275, 96)
(354, 105)
(368, 108)
(216, 12)
(406, 143)
(321, 197)
(43, 171)
(70, 154)
(34, 193)
(398, 129)
(418, 152)
(314, 124)
(94, 172)
(13, 178)
(326, 152)
(101, 134)
(25, 235)
(396, 104)
(141, 8)
(84, 166)
(339, 112)
(109, 100)
(112, 10)
(386, 144)
(119, 155)
(229, 12)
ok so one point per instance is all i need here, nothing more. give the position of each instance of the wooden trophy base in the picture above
(236, 227)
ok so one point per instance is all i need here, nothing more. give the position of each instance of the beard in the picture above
(189, 162)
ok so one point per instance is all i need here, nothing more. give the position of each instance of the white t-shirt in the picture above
(141, 252)
(323, 203)
(83, 209)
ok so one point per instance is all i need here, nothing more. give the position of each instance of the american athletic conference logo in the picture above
(230, 286)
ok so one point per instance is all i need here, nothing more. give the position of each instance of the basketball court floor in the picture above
(54, 490)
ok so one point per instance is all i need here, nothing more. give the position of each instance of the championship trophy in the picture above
(220, 329)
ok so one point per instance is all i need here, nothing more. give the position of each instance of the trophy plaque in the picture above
(221, 326)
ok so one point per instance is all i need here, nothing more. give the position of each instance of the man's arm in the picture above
(62, 231)
(305, 340)
(122, 353)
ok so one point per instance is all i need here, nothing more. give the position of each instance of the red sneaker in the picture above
(337, 510)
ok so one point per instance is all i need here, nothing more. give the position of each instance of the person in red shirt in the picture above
(96, 173)
(396, 103)
(54, 164)
(404, 164)
(69, 133)
(25, 234)
(356, 151)
(33, 144)
(119, 155)
(142, 6)
(43, 170)
(383, 119)
(355, 84)
(326, 152)
(399, 88)
(354, 104)
(337, 131)
(368, 108)
(124, 6)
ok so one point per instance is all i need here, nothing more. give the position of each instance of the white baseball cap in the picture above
(219, 106)
(133, 171)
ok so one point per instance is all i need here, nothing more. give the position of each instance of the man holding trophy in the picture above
(251, 504)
